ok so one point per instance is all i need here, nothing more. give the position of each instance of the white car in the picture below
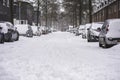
(36, 31)
(9, 32)
(25, 30)
(94, 31)
(110, 33)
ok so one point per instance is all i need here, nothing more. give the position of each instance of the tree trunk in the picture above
(90, 11)
(38, 13)
(46, 14)
(80, 12)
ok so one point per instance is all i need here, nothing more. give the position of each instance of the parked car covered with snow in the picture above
(36, 30)
(25, 30)
(76, 31)
(82, 31)
(29, 32)
(110, 33)
(9, 32)
(44, 30)
(94, 31)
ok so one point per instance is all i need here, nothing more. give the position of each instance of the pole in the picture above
(11, 11)
(19, 12)
(80, 12)
(46, 14)
(38, 13)
(90, 11)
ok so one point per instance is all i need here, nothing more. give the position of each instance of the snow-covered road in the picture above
(58, 56)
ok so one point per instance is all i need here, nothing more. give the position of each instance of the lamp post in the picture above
(11, 11)
(90, 11)
(46, 13)
(38, 12)
(19, 3)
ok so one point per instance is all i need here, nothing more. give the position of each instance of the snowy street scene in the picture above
(58, 56)
(59, 39)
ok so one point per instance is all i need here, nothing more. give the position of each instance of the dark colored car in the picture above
(9, 32)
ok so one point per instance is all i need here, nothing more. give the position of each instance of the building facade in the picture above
(5, 10)
(23, 13)
(107, 10)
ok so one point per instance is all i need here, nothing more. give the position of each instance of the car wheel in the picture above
(83, 37)
(1, 38)
(105, 45)
(10, 37)
(89, 38)
(17, 36)
(100, 45)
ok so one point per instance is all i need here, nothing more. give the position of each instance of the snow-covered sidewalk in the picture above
(58, 56)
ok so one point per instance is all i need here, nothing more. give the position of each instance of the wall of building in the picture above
(107, 11)
(5, 10)
(23, 12)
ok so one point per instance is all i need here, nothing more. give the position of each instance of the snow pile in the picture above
(58, 56)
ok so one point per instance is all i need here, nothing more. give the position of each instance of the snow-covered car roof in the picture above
(112, 20)
(114, 23)
(9, 25)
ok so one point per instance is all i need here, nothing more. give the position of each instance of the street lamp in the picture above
(11, 10)
(19, 3)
